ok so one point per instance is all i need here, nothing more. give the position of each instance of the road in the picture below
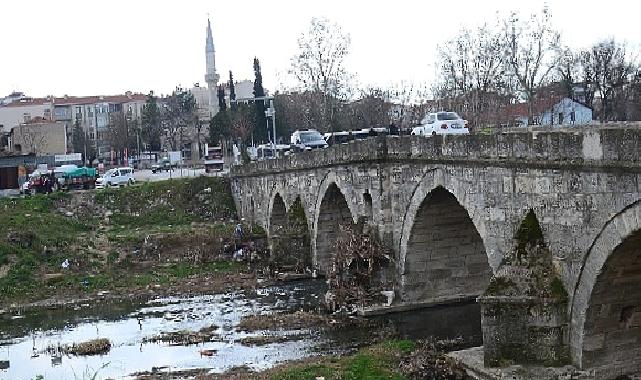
(147, 176)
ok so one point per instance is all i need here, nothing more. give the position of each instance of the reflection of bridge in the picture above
(450, 207)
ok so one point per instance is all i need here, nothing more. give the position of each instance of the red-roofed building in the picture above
(92, 113)
(550, 111)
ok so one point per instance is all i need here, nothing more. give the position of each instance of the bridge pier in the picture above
(524, 309)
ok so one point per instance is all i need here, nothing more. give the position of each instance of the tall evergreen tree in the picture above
(151, 128)
(222, 105)
(219, 125)
(232, 91)
(260, 120)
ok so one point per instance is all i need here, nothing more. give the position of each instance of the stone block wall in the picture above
(523, 330)
(577, 182)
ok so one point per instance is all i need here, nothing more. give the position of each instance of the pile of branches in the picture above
(428, 361)
(355, 275)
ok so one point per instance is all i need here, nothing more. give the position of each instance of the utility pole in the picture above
(271, 112)
(85, 144)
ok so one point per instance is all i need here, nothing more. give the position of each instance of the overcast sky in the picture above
(90, 47)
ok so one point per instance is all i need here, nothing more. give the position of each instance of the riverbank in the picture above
(171, 237)
(388, 360)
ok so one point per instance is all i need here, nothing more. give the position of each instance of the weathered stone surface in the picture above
(523, 310)
(582, 184)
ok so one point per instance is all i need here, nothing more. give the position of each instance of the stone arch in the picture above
(607, 297)
(431, 180)
(368, 211)
(277, 215)
(299, 245)
(332, 210)
(442, 253)
(252, 209)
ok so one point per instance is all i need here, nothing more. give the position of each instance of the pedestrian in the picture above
(238, 231)
(393, 130)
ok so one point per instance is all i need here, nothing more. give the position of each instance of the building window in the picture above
(560, 117)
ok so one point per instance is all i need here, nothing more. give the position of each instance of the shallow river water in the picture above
(25, 337)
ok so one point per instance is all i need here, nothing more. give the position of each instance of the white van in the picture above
(116, 178)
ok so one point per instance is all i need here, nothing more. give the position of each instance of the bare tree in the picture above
(120, 132)
(472, 76)
(319, 66)
(606, 75)
(371, 110)
(407, 102)
(532, 47)
(242, 122)
(612, 72)
(179, 118)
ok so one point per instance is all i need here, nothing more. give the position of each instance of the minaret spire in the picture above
(211, 77)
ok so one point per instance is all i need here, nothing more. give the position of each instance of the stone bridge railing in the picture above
(605, 147)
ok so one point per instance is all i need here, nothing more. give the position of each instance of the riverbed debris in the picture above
(301, 320)
(98, 346)
(185, 337)
(429, 361)
(356, 275)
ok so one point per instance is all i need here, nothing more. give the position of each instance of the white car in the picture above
(307, 139)
(441, 123)
(116, 178)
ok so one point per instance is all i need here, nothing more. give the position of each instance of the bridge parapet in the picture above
(610, 146)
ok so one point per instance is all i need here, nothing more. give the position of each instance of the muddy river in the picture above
(27, 339)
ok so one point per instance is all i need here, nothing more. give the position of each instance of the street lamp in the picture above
(271, 112)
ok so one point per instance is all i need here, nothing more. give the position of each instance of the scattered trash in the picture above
(65, 264)
(56, 360)
(238, 255)
(207, 352)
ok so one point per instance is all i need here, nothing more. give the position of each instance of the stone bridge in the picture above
(450, 207)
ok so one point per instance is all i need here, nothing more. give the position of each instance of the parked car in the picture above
(25, 188)
(307, 139)
(441, 123)
(266, 151)
(159, 166)
(116, 178)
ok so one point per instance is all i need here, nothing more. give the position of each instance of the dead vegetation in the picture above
(357, 275)
(91, 347)
(185, 337)
(263, 340)
(428, 361)
(301, 320)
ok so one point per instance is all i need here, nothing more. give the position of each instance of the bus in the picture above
(214, 160)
